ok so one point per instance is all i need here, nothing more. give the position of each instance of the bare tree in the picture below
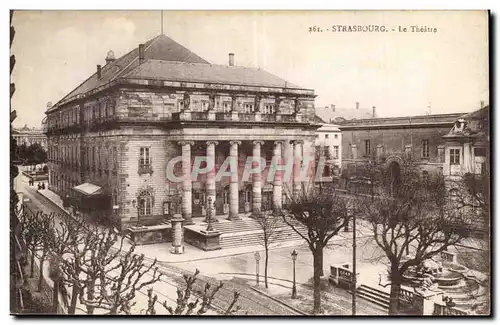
(323, 212)
(117, 275)
(185, 303)
(71, 247)
(46, 229)
(269, 225)
(417, 217)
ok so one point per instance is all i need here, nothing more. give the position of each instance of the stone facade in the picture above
(29, 136)
(392, 140)
(122, 137)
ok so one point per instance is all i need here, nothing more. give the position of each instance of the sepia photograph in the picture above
(250, 163)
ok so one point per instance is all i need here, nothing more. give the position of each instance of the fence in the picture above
(443, 310)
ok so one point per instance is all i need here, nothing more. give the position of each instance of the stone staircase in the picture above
(247, 232)
(378, 297)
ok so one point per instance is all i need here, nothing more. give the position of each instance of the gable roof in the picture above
(158, 48)
(212, 73)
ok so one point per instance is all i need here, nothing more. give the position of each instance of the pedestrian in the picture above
(43, 186)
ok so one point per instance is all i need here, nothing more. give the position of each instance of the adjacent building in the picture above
(389, 141)
(112, 139)
(328, 144)
(333, 114)
(29, 136)
(467, 145)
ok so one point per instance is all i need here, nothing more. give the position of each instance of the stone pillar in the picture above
(177, 234)
(233, 187)
(408, 148)
(211, 173)
(257, 180)
(278, 176)
(297, 165)
(441, 153)
(468, 164)
(186, 183)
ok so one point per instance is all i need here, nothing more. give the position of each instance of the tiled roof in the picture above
(212, 73)
(158, 48)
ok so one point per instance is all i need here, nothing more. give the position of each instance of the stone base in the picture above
(150, 234)
(233, 218)
(203, 239)
(177, 250)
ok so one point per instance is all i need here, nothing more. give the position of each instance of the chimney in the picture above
(333, 108)
(231, 59)
(374, 112)
(357, 105)
(49, 105)
(141, 53)
(110, 57)
(482, 104)
(99, 71)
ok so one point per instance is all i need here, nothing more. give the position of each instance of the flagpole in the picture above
(162, 22)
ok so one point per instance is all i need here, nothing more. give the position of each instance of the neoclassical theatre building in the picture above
(111, 139)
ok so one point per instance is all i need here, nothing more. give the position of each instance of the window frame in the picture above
(454, 153)
(425, 148)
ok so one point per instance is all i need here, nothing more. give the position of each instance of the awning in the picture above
(88, 189)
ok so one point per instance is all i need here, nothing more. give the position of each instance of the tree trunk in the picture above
(265, 267)
(32, 270)
(90, 297)
(55, 295)
(396, 281)
(74, 296)
(40, 273)
(318, 265)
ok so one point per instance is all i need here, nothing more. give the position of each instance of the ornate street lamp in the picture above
(209, 209)
(257, 259)
(294, 287)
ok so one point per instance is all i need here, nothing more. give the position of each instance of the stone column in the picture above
(233, 187)
(278, 176)
(257, 180)
(211, 173)
(297, 164)
(186, 183)
(177, 234)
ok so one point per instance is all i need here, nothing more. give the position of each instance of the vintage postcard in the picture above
(250, 163)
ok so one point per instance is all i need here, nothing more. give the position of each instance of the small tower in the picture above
(110, 57)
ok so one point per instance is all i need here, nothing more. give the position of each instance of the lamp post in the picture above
(209, 209)
(257, 259)
(294, 287)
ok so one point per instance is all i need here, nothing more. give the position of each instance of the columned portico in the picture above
(186, 182)
(256, 178)
(233, 187)
(278, 176)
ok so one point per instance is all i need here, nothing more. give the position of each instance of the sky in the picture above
(401, 73)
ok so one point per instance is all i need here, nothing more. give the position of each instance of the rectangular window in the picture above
(336, 136)
(144, 156)
(269, 109)
(336, 152)
(480, 152)
(425, 148)
(226, 106)
(248, 108)
(326, 149)
(367, 147)
(454, 156)
(326, 136)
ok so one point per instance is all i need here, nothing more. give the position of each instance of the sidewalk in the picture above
(161, 251)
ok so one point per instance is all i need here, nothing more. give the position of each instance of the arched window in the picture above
(145, 203)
